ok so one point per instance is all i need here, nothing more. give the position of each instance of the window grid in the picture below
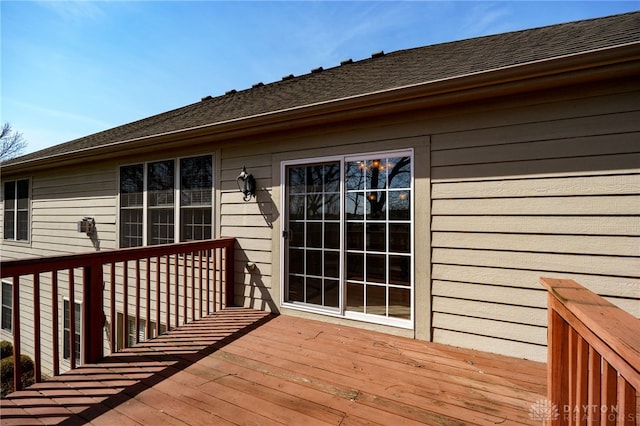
(314, 253)
(378, 262)
(196, 223)
(16, 210)
(156, 196)
(66, 328)
(196, 183)
(7, 306)
(374, 227)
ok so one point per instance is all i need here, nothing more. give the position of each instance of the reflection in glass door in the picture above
(349, 238)
(378, 236)
(313, 234)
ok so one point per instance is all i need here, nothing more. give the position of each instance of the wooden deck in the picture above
(242, 366)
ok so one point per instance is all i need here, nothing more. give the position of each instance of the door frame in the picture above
(342, 312)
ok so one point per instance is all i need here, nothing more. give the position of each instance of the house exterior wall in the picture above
(518, 188)
(508, 189)
(57, 201)
(545, 189)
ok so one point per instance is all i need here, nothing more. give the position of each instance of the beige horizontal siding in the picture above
(576, 166)
(572, 225)
(483, 342)
(579, 244)
(587, 146)
(498, 294)
(541, 187)
(559, 115)
(491, 311)
(548, 130)
(60, 200)
(556, 195)
(579, 264)
(251, 223)
(623, 287)
(505, 330)
(548, 206)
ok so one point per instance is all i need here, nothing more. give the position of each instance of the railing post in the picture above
(15, 324)
(229, 277)
(557, 362)
(93, 315)
(594, 357)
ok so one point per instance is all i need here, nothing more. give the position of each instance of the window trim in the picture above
(15, 211)
(9, 307)
(341, 311)
(67, 302)
(177, 206)
(130, 334)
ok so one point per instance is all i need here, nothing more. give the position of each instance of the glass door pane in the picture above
(348, 240)
(378, 236)
(313, 234)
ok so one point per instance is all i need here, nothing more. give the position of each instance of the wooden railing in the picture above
(593, 359)
(171, 284)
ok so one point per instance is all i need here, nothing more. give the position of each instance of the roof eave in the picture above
(558, 71)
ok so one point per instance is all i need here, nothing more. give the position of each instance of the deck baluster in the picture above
(136, 337)
(125, 303)
(17, 365)
(167, 277)
(594, 357)
(72, 320)
(176, 268)
(90, 292)
(184, 288)
(158, 264)
(148, 297)
(112, 299)
(93, 318)
(37, 357)
(55, 322)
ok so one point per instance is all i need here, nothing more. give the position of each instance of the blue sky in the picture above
(73, 68)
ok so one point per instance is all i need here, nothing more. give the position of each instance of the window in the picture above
(16, 210)
(196, 183)
(160, 202)
(66, 333)
(156, 196)
(131, 205)
(131, 331)
(348, 237)
(7, 306)
(378, 236)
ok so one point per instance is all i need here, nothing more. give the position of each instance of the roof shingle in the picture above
(378, 73)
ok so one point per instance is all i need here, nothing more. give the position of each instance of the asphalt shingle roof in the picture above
(378, 73)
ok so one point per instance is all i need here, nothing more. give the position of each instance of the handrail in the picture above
(593, 371)
(178, 270)
(43, 264)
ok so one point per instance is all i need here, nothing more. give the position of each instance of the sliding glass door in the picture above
(348, 237)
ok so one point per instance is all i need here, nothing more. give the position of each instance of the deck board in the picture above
(241, 366)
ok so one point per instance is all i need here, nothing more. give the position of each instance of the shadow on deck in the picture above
(242, 366)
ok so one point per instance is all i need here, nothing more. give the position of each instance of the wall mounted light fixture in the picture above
(87, 225)
(246, 184)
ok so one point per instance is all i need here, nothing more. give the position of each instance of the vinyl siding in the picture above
(251, 223)
(544, 193)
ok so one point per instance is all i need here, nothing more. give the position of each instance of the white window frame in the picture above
(6, 306)
(177, 207)
(66, 302)
(16, 210)
(130, 332)
(341, 311)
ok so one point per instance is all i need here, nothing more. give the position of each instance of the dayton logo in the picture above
(544, 410)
